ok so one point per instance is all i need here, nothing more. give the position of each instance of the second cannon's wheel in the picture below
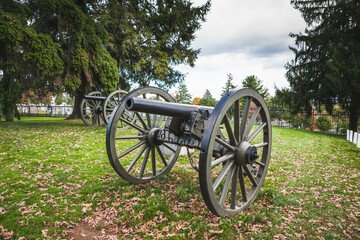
(134, 153)
(91, 111)
(235, 152)
(111, 102)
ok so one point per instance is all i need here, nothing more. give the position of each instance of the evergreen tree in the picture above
(256, 84)
(325, 70)
(96, 40)
(207, 99)
(183, 95)
(88, 64)
(148, 38)
(27, 58)
(228, 85)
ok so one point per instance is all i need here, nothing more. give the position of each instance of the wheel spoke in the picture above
(229, 131)
(244, 118)
(226, 186)
(242, 185)
(260, 163)
(92, 104)
(225, 144)
(161, 156)
(260, 145)
(138, 155)
(169, 147)
(130, 149)
(222, 174)
(153, 161)
(148, 119)
(130, 137)
(141, 174)
(256, 132)
(251, 122)
(251, 177)
(157, 125)
(221, 159)
(132, 124)
(87, 114)
(141, 120)
(147, 115)
(234, 188)
(237, 120)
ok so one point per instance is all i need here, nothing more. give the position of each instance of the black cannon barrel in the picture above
(96, 98)
(163, 108)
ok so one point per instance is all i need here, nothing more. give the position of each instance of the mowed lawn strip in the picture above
(56, 182)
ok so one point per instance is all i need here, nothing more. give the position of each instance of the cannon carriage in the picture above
(96, 108)
(234, 151)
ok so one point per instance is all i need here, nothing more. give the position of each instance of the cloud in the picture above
(243, 37)
(258, 27)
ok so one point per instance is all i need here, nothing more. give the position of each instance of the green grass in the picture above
(55, 174)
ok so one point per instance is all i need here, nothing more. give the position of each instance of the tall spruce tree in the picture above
(87, 63)
(325, 70)
(27, 58)
(183, 95)
(228, 85)
(208, 99)
(256, 84)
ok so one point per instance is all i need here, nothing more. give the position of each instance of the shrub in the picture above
(323, 123)
(342, 123)
(297, 120)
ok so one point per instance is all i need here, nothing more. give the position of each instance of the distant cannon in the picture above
(234, 151)
(96, 108)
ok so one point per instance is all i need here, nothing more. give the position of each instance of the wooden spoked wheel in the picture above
(134, 153)
(92, 110)
(235, 152)
(111, 102)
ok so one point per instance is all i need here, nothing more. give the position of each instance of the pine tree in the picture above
(207, 99)
(183, 95)
(325, 70)
(27, 58)
(228, 85)
(256, 84)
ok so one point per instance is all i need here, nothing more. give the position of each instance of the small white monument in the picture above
(355, 138)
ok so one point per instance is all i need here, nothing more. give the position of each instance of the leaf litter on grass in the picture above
(57, 182)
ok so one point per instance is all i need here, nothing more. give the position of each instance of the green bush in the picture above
(342, 123)
(323, 123)
(297, 120)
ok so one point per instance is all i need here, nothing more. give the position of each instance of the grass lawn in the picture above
(56, 182)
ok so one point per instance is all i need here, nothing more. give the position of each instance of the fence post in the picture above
(351, 136)
(347, 134)
(358, 141)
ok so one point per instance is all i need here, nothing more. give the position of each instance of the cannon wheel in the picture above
(230, 173)
(110, 104)
(92, 110)
(134, 153)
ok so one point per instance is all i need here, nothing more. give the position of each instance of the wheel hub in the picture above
(245, 154)
(152, 137)
(98, 109)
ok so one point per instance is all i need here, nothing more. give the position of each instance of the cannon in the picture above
(233, 140)
(96, 108)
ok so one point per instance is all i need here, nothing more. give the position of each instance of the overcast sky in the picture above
(243, 37)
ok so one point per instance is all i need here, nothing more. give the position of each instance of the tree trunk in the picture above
(354, 115)
(9, 116)
(76, 111)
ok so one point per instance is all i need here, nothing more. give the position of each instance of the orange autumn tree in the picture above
(196, 101)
